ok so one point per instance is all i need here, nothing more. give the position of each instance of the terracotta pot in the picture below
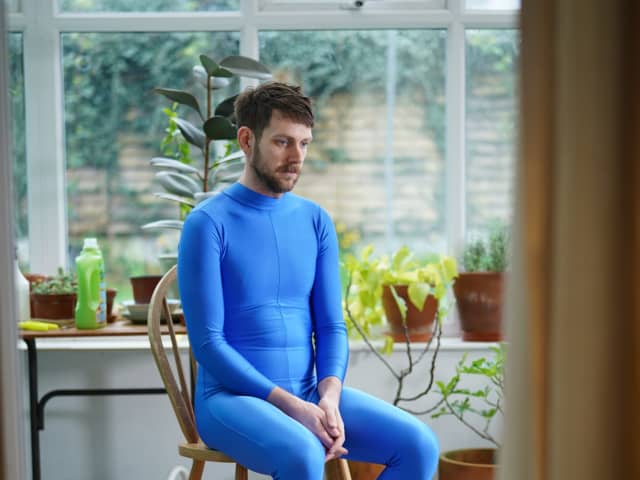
(364, 471)
(143, 287)
(419, 322)
(57, 307)
(111, 294)
(468, 464)
(479, 296)
(33, 278)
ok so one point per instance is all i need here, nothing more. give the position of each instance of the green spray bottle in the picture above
(91, 307)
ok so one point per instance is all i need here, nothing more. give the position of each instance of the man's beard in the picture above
(269, 179)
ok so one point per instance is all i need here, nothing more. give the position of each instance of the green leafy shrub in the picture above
(490, 254)
(475, 409)
(62, 283)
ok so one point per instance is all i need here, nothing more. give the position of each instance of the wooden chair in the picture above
(179, 392)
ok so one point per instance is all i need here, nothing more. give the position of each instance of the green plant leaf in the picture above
(176, 198)
(191, 133)
(180, 96)
(399, 258)
(164, 162)
(219, 128)
(164, 224)
(178, 184)
(232, 157)
(213, 69)
(228, 171)
(387, 348)
(209, 65)
(402, 305)
(418, 293)
(245, 67)
(226, 107)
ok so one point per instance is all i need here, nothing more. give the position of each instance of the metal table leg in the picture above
(32, 361)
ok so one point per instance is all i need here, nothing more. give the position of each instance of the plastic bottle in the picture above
(23, 295)
(91, 306)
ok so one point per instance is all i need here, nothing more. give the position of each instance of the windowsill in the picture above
(142, 343)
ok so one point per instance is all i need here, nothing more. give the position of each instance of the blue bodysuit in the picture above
(261, 294)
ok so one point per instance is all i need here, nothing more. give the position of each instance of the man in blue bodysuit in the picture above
(260, 289)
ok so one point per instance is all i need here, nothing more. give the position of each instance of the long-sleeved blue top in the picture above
(260, 287)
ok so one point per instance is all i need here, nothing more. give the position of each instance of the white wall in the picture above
(136, 437)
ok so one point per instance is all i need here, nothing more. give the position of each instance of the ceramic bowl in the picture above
(138, 311)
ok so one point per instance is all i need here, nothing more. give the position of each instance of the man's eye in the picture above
(282, 142)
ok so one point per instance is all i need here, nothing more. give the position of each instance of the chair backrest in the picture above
(170, 368)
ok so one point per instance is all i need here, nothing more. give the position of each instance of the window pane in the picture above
(493, 4)
(114, 125)
(18, 148)
(13, 6)
(148, 5)
(377, 159)
(366, 5)
(492, 57)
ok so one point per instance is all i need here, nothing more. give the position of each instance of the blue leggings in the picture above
(267, 441)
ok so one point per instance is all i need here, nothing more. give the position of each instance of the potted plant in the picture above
(475, 409)
(186, 180)
(55, 297)
(407, 283)
(479, 289)
(406, 291)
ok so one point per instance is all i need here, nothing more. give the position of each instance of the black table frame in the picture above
(37, 404)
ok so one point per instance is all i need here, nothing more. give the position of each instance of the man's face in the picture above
(277, 157)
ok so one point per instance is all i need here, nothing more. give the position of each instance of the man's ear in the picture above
(246, 140)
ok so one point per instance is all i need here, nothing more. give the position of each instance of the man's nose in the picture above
(297, 153)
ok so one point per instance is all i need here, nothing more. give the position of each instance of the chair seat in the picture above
(199, 451)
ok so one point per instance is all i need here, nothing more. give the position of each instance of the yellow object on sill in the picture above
(38, 326)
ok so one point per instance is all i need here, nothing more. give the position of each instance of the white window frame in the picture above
(41, 25)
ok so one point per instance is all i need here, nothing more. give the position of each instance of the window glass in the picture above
(13, 6)
(366, 5)
(493, 4)
(377, 159)
(114, 125)
(491, 119)
(18, 148)
(148, 5)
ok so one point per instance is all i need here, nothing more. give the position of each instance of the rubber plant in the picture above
(183, 182)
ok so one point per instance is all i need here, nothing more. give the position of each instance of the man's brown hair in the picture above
(254, 106)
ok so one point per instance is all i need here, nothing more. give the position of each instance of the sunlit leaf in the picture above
(418, 293)
(164, 224)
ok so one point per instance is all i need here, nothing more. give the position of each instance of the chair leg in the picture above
(197, 468)
(241, 472)
(337, 470)
(343, 466)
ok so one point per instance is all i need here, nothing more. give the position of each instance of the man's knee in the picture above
(300, 460)
(421, 443)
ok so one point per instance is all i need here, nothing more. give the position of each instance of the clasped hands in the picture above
(323, 420)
